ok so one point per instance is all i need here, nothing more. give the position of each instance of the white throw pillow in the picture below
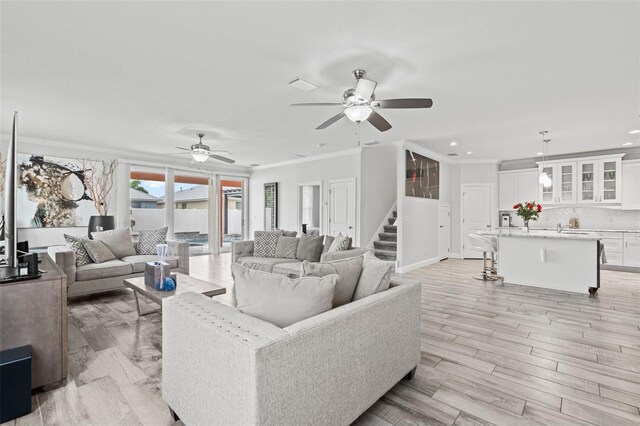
(118, 241)
(375, 276)
(280, 300)
(349, 271)
(339, 243)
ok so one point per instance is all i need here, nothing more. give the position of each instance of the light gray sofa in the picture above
(242, 252)
(223, 367)
(99, 277)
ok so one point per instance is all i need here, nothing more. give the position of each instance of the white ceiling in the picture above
(147, 75)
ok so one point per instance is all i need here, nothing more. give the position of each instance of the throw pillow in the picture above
(287, 247)
(280, 300)
(118, 241)
(328, 240)
(150, 238)
(340, 243)
(98, 251)
(75, 244)
(286, 233)
(349, 271)
(375, 276)
(309, 248)
(265, 242)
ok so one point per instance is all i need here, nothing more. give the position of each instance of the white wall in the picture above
(378, 188)
(288, 177)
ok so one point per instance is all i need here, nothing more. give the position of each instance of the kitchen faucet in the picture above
(560, 227)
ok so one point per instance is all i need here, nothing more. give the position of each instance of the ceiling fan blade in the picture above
(403, 103)
(365, 88)
(184, 149)
(318, 104)
(378, 121)
(179, 153)
(330, 121)
(221, 158)
(221, 150)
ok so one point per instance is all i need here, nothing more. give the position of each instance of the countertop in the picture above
(565, 235)
(576, 230)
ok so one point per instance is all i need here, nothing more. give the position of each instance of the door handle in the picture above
(441, 226)
(488, 226)
(351, 227)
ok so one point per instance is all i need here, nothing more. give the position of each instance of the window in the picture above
(147, 199)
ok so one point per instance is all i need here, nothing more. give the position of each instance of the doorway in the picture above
(310, 208)
(444, 232)
(476, 215)
(232, 217)
(342, 208)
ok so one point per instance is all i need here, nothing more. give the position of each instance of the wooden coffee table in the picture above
(185, 284)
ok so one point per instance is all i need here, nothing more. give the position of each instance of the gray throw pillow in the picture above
(148, 240)
(349, 271)
(375, 276)
(118, 241)
(286, 233)
(98, 251)
(75, 244)
(328, 240)
(280, 300)
(287, 247)
(265, 242)
(340, 243)
(309, 248)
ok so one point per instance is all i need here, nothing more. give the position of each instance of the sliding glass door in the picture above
(232, 217)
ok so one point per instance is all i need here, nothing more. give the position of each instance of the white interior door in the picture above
(342, 208)
(444, 236)
(476, 216)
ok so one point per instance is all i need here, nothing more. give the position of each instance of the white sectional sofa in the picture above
(223, 367)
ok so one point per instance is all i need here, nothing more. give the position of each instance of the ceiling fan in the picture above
(201, 152)
(360, 104)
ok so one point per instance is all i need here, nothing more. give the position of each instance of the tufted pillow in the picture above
(150, 238)
(287, 247)
(349, 271)
(265, 243)
(98, 251)
(75, 244)
(280, 300)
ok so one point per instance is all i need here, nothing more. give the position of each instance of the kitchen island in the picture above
(568, 261)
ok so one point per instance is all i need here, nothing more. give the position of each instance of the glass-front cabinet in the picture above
(547, 195)
(599, 181)
(561, 186)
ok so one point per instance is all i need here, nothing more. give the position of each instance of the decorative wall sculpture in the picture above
(422, 176)
(270, 206)
(52, 193)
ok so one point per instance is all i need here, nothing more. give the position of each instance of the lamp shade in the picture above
(200, 155)
(358, 113)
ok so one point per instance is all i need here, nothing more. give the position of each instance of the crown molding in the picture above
(334, 154)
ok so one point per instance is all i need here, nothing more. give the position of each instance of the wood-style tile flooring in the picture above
(491, 354)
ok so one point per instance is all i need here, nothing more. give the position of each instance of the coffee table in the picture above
(185, 284)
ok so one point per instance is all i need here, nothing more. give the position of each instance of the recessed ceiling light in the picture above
(469, 152)
(301, 84)
(634, 132)
(540, 153)
(453, 143)
(627, 143)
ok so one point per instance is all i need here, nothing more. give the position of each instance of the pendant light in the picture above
(544, 178)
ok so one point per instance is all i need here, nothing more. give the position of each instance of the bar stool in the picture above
(486, 245)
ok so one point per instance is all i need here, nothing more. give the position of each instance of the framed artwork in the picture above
(52, 193)
(422, 176)
(270, 206)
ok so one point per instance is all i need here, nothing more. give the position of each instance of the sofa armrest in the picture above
(343, 254)
(65, 258)
(181, 251)
(241, 249)
(208, 359)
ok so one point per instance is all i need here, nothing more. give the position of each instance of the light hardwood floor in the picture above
(491, 354)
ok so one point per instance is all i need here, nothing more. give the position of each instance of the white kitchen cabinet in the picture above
(613, 247)
(631, 185)
(516, 187)
(599, 181)
(563, 183)
(632, 249)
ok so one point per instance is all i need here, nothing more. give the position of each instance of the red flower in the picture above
(516, 206)
(539, 208)
(530, 206)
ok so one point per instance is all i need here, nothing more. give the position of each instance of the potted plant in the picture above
(98, 178)
(528, 211)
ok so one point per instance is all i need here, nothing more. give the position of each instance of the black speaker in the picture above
(15, 383)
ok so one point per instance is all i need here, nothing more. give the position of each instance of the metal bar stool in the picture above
(486, 245)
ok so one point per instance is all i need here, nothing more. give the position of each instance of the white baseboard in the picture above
(405, 269)
(455, 256)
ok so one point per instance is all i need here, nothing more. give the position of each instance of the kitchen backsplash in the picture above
(589, 217)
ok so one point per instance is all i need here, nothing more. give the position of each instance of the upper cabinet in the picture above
(593, 180)
(631, 185)
(516, 187)
(562, 177)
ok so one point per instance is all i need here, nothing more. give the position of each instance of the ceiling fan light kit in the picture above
(360, 103)
(201, 152)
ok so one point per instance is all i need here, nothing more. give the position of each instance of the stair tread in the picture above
(386, 243)
(387, 252)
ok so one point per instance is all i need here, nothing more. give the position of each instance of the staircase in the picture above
(386, 246)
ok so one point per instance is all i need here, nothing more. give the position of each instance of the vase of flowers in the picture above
(528, 211)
